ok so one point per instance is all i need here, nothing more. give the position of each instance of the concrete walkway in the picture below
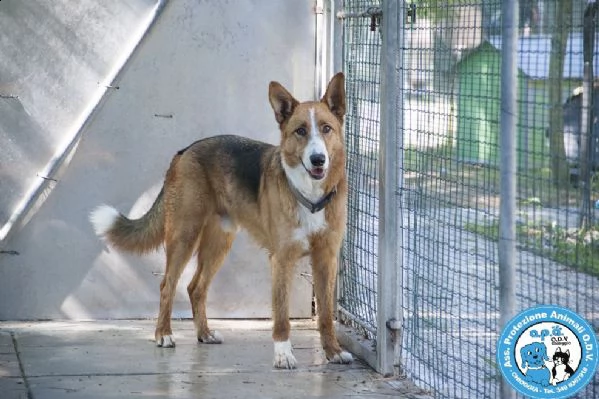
(118, 359)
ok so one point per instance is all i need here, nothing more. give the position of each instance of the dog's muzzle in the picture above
(317, 162)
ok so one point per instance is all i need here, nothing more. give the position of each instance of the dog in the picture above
(534, 356)
(291, 198)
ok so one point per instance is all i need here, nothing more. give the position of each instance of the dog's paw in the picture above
(213, 337)
(342, 357)
(284, 358)
(166, 341)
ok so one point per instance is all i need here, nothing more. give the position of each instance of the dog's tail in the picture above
(138, 235)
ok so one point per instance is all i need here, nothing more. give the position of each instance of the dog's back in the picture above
(230, 163)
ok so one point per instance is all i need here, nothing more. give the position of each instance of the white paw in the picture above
(213, 338)
(284, 358)
(342, 357)
(167, 341)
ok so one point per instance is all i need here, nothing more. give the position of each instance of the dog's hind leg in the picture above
(215, 243)
(180, 244)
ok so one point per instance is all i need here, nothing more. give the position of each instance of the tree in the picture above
(559, 165)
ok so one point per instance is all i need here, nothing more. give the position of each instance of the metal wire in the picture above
(358, 274)
(449, 212)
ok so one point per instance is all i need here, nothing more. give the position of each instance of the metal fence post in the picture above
(507, 148)
(357, 286)
(586, 156)
(389, 271)
(336, 36)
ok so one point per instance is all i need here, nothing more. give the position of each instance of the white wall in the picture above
(206, 63)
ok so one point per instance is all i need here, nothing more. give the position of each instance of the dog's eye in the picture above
(301, 131)
(326, 129)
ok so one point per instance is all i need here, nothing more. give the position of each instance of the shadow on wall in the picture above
(107, 283)
(57, 57)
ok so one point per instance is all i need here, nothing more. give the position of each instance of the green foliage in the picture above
(439, 9)
(532, 201)
(575, 248)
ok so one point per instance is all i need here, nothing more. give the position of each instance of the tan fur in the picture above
(141, 235)
(201, 188)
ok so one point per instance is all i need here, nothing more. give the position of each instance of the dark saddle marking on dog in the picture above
(246, 157)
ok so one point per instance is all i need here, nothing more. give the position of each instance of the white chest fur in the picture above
(309, 223)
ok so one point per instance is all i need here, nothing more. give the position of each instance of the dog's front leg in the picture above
(282, 269)
(324, 272)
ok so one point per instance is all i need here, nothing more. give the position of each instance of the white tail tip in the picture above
(102, 218)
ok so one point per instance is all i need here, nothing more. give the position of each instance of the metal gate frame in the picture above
(383, 354)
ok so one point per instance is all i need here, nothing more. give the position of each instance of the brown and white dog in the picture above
(291, 198)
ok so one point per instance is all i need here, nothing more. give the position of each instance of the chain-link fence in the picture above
(358, 274)
(451, 285)
(449, 162)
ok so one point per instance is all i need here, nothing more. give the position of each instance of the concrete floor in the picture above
(118, 359)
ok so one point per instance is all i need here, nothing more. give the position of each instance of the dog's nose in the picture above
(318, 159)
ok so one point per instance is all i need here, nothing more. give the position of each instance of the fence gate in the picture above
(369, 300)
(420, 291)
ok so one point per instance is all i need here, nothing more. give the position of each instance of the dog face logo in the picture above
(533, 366)
(534, 355)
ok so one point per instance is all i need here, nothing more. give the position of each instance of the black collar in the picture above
(311, 206)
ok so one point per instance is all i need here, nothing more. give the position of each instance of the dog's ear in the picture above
(544, 352)
(334, 97)
(282, 101)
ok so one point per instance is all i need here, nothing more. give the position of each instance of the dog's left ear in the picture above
(281, 101)
(334, 97)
